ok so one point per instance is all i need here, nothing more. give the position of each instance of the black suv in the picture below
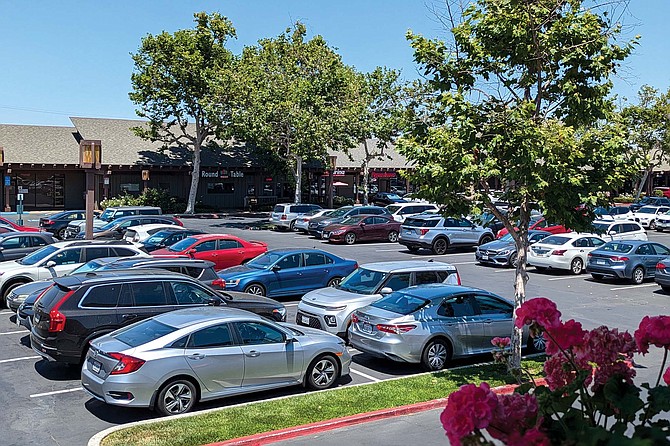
(82, 307)
(166, 237)
(14, 245)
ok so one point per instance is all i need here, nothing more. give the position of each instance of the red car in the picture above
(9, 223)
(222, 249)
(363, 227)
(541, 224)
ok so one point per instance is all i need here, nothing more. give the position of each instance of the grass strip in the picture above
(240, 421)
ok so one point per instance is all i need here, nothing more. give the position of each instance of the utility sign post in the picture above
(19, 209)
(90, 159)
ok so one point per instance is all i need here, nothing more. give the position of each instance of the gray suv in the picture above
(438, 233)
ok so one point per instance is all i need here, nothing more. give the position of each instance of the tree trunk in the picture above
(195, 179)
(366, 175)
(298, 179)
(520, 281)
(643, 181)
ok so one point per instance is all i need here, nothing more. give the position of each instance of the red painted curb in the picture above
(321, 426)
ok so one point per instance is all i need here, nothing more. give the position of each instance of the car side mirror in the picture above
(190, 251)
(289, 339)
(50, 264)
(214, 301)
(361, 224)
(275, 268)
(386, 290)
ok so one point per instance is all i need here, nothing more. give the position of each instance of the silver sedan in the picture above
(171, 361)
(431, 324)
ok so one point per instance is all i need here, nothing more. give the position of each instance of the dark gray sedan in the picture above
(503, 251)
(14, 245)
(634, 260)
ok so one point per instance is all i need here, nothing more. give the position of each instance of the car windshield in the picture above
(393, 208)
(362, 281)
(600, 228)
(106, 215)
(91, 265)
(38, 255)
(157, 237)
(143, 332)
(354, 220)
(109, 225)
(265, 260)
(647, 210)
(182, 245)
(400, 303)
(616, 247)
(393, 196)
(339, 212)
(507, 238)
(555, 240)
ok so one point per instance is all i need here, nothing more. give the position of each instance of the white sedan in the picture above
(647, 216)
(563, 251)
(138, 234)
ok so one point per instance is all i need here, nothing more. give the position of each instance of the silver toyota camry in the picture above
(170, 362)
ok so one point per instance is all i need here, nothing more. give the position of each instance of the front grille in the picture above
(314, 321)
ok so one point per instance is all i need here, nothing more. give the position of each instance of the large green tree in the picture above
(296, 99)
(519, 99)
(182, 86)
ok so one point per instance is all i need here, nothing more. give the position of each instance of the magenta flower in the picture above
(567, 335)
(515, 413)
(653, 331)
(539, 310)
(468, 408)
(500, 342)
(666, 376)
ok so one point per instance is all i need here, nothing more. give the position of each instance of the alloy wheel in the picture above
(323, 373)
(436, 356)
(178, 398)
(576, 266)
(350, 238)
(393, 236)
(255, 289)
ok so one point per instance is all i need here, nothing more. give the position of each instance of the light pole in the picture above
(90, 158)
(333, 165)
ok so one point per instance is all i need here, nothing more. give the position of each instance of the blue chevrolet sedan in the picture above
(288, 272)
(634, 260)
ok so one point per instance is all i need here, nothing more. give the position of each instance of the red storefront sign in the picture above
(383, 174)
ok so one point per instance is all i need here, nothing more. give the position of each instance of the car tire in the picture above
(334, 281)
(440, 246)
(291, 226)
(61, 233)
(513, 260)
(652, 225)
(665, 288)
(638, 275)
(255, 288)
(485, 239)
(537, 344)
(9, 289)
(413, 248)
(597, 276)
(349, 238)
(393, 236)
(577, 266)
(322, 373)
(435, 355)
(176, 397)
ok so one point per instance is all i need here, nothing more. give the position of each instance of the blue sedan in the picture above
(288, 272)
(634, 260)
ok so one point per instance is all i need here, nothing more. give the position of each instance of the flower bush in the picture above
(589, 397)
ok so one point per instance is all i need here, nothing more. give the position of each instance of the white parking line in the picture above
(464, 263)
(19, 359)
(386, 250)
(371, 378)
(509, 270)
(291, 305)
(55, 392)
(566, 278)
(6, 312)
(14, 332)
(630, 287)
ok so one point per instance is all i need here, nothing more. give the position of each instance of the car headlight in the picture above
(232, 283)
(338, 232)
(505, 252)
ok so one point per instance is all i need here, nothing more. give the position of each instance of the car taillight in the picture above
(179, 222)
(219, 282)
(395, 329)
(127, 364)
(558, 252)
(458, 278)
(283, 217)
(354, 318)
(589, 255)
(424, 231)
(619, 259)
(49, 222)
(56, 318)
(660, 265)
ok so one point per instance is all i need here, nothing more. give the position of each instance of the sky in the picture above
(72, 58)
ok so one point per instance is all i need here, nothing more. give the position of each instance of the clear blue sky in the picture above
(71, 58)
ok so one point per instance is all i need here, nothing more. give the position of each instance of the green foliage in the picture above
(624, 198)
(150, 197)
(340, 201)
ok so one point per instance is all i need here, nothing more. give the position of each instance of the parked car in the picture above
(503, 251)
(57, 223)
(14, 245)
(663, 222)
(363, 228)
(138, 234)
(302, 222)
(82, 307)
(648, 215)
(437, 233)
(17, 227)
(563, 251)
(223, 249)
(649, 201)
(108, 215)
(167, 237)
(330, 308)
(539, 222)
(287, 272)
(400, 211)
(115, 229)
(200, 354)
(619, 230)
(317, 225)
(634, 260)
(58, 259)
(386, 198)
(284, 216)
(619, 213)
(662, 276)
(433, 324)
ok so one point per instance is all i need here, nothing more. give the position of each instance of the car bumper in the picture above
(331, 321)
(393, 348)
(50, 352)
(495, 259)
(663, 224)
(23, 321)
(281, 223)
(553, 262)
(116, 389)
(618, 272)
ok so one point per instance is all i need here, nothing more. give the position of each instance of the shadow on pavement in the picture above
(56, 371)
(117, 415)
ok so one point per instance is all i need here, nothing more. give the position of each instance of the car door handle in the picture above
(128, 316)
(253, 353)
(488, 321)
(196, 356)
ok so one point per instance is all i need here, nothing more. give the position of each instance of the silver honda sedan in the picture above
(431, 324)
(171, 361)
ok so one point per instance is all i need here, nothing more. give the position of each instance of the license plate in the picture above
(366, 328)
(600, 262)
(95, 366)
(408, 231)
(325, 235)
(305, 320)
(485, 257)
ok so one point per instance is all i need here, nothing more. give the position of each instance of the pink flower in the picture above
(468, 408)
(603, 373)
(540, 310)
(515, 413)
(559, 371)
(605, 346)
(653, 330)
(500, 342)
(567, 335)
(666, 376)
(532, 437)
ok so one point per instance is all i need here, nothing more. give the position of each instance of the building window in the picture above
(220, 188)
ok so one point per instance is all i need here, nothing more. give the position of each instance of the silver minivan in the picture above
(285, 215)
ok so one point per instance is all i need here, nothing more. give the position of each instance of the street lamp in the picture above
(90, 159)
(333, 165)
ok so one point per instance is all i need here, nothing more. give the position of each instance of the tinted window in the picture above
(630, 227)
(96, 253)
(209, 245)
(217, 336)
(644, 250)
(102, 296)
(400, 303)
(229, 244)
(290, 261)
(533, 238)
(38, 241)
(362, 281)
(123, 252)
(278, 209)
(398, 281)
(67, 257)
(459, 306)
(148, 294)
(15, 242)
(596, 242)
(370, 220)
(253, 333)
(314, 259)
(450, 223)
(193, 271)
(52, 295)
(150, 211)
(423, 277)
(581, 243)
(661, 250)
(189, 294)
(442, 275)
(491, 305)
(421, 223)
(146, 331)
(616, 247)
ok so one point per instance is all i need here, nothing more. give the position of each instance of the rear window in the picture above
(422, 222)
(393, 209)
(52, 296)
(616, 247)
(278, 209)
(400, 303)
(555, 240)
(143, 332)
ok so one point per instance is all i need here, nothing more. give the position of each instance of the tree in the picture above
(520, 98)
(181, 84)
(648, 125)
(296, 99)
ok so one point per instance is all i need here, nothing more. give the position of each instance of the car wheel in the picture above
(652, 225)
(597, 276)
(485, 239)
(440, 246)
(638, 275)
(513, 260)
(334, 281)
(393, 236)
(537, 344)
(413, 248)
(61, 234)
(436, 355)
(576, 266)
(665, 288)
(291, 226)
(176, 397)
(255, 288)
(9, 289)
(350, 238)
(322, 373)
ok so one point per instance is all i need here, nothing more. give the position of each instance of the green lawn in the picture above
(234, 422)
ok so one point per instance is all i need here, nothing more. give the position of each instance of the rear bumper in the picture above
(617, 272)
(103, 389)
(49, 350)
(395, 351)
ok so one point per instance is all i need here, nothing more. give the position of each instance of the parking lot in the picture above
(43, 403)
